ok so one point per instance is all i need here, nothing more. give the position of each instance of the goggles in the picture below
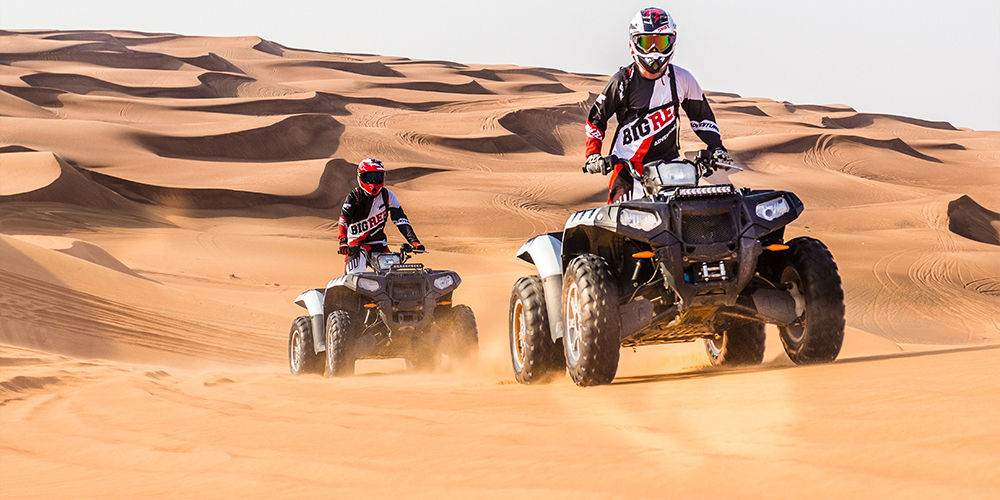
(371, 177)
(653, 43)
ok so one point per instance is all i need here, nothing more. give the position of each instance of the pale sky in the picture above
(934, 60)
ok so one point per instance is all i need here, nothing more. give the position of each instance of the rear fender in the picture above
(545, 252)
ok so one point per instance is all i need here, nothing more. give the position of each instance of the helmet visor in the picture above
(653, 43)
(371, 177)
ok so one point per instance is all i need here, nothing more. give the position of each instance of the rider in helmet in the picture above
(646, 97)
(363, 217)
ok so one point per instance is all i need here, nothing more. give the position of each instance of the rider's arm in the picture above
(604, 108)
(697, 109)
(399, 219)
(346, 214)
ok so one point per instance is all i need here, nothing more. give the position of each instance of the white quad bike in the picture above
(399, 310)
(684, 262)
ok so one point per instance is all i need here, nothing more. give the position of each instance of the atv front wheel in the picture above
(339, 345)
(462, 334)
(811, 276)
(534, 356)
(737, 342)
(592, 340)
(302, 359)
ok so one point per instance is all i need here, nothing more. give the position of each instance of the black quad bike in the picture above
(400, 310)
(681, 263)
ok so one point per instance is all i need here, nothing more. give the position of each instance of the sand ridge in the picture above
(164, 198)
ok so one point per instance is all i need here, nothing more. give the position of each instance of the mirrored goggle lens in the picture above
(654, 43)
(372, 177)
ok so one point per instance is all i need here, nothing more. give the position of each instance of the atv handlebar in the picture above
(407, 248)
(704, 161)
(709, 165)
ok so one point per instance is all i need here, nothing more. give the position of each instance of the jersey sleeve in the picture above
(399, 219)
(605, 106)
(346, 214)
(696, 107)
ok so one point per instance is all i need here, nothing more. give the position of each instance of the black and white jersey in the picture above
(647, 125)
(363, 218)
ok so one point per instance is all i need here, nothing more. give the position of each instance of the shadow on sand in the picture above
(716, 372)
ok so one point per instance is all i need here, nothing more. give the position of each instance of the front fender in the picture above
(545, 252)
(313, 300)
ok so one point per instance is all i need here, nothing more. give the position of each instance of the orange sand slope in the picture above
(164, 198)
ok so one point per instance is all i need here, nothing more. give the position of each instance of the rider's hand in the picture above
(721, 156)
(344, 249)
(419, 246)
(597, 164)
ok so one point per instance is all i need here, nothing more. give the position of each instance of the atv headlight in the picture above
(368, 284)
(643, 221)
(770, 210)
(444, 282)
(677, 174)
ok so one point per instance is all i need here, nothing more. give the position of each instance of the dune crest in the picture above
(971, 220)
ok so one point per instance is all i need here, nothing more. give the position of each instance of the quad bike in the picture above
(681, 263)
(398, 310)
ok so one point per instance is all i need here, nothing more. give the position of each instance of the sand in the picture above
(164, 198)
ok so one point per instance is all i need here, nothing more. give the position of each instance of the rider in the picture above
(363, 218)
(643, 97)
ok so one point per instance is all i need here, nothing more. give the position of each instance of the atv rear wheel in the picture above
(592, 341)
(462, 334)
(811, 276)
(339, 345)
(737, 342)
(302, 359)
(534, 356)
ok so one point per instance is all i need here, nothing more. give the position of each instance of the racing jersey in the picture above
(363, 218)
(646, 111)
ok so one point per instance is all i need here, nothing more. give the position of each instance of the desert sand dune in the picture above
(163, 200)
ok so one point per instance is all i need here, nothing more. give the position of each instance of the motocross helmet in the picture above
(371, 175)
(651, 37)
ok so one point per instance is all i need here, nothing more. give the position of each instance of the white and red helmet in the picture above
(371, 176)
(651, 37)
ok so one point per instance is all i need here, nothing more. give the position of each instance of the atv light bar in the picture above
(407, 267)
(705, 191)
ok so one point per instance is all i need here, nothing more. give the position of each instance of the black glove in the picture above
(721, 156)
(344, 249)
(597, 164)
(419, 246)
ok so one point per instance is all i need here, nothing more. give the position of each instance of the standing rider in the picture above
(364, 215)
(646, 96)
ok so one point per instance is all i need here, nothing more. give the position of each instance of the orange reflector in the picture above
(776, 247)
(643, 255)
(369, 306)
(444, 303)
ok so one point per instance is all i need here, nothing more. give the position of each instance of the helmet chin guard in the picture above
(652, 63)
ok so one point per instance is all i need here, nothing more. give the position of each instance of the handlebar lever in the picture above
(729, 166)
